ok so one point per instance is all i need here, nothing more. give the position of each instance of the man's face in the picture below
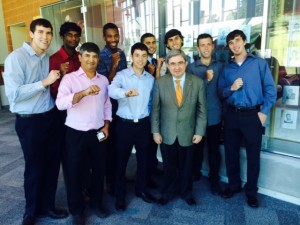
(139, 59)
(111, 38)
(174, 43)
(205, 47)
(237, 45)
(41, 39)
(89, 61)
(71, 39)
(150, 42)
(177, 66)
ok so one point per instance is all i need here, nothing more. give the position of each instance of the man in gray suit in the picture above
(178, 122)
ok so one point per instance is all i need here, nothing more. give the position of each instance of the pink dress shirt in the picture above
(91, 112)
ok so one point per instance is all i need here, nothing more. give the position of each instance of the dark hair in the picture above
(109, 26)
(40, 22)
(146, 35)
(139, 46)
(202, 36)
(234, 34)
(69, 26)
(89, 47)
(172, 33)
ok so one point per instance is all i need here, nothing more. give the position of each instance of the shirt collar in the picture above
(182, 79)
(80, 72)
(107, 51)
(249, 55)
(132, 73)
(199, 63)
(65, 55)
(31, 51)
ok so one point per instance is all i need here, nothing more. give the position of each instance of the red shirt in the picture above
(56, 60)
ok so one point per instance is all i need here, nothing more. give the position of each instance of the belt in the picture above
(35, 114)
(133, 121)
(245, 109)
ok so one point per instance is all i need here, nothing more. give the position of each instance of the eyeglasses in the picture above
(173, 64)
(69, 35)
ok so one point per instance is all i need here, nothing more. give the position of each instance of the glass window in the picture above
(283, 44)
(280, 39)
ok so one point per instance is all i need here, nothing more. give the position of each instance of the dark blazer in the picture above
(182, 122)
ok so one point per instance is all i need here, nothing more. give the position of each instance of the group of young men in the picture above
(90, 110)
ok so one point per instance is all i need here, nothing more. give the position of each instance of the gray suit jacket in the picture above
(183, 122)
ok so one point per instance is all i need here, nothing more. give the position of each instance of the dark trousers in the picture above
(153, 161)
(40, 145)
(177, 164)
(131, 134)
(212, 139)
(80, 145)
(61, 128)
(111, 158)
(246, 125)
(111, 152)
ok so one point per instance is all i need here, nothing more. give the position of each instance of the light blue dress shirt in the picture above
(24, 72)
(136, 107)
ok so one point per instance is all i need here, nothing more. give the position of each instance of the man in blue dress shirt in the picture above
(27, 84)
(132, 88)
(248, 89)
(209, 70)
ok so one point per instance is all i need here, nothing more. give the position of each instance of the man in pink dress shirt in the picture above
(84, 94)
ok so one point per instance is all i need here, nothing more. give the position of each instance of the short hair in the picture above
(139, 46)
(172, 33)
(40, 22)
(109, 26)
(146, 35)
(89, 47)
(202, 36)
(69, 26)
(234, 34)
(174, 53)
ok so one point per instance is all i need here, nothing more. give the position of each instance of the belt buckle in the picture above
(136, 120)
